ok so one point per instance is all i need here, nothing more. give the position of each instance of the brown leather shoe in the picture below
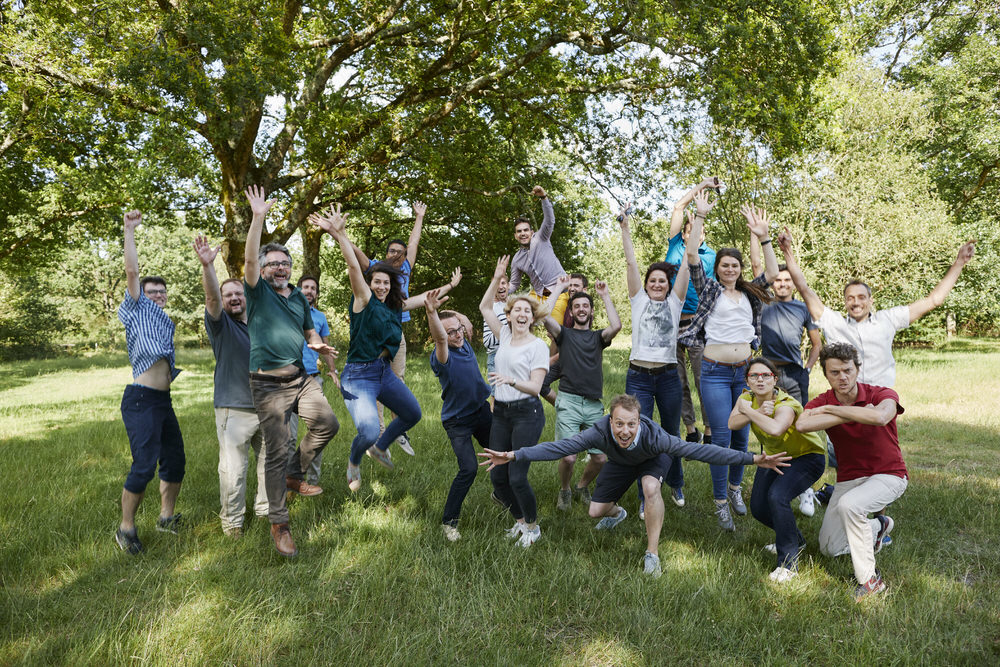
(302, 487)
(283, 540)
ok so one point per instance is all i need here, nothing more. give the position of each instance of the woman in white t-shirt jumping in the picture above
(518, 419)
(728, 322)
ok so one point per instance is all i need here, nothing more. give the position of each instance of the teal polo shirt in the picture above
(277, 326)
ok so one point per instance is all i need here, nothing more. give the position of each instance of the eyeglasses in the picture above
(452, 332)
(394, 251)
(155, 292)
(762, 376)
(275, 265)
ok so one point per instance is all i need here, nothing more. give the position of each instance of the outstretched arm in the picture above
(941, 291)
(677, 216)
(209, 280)
(419, 209)
(335, 224)
(440, 336)
(810, 297)
(548, 215)
(486, 305)
(132, 220)
(259, 206)
(614, 322)
(632, 275)
(418, 300)
(759, 225)
(755, 264)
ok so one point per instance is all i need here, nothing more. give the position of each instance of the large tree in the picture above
(376, 103)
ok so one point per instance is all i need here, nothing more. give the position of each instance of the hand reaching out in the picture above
(967, 251)
(757, 220)
(324, 349)
(206, 253)
(494, 458)
(419, 208)
(784, 241)
(333, 224)
(456, 277)
(703, 204)
(259, 204)
(501, 269)
(774, 462)
(601, 288)
(433, 300)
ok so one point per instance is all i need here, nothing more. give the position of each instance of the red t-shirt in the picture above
(864, 450)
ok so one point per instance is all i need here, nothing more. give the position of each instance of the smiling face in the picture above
(310, 290)
(455, 332)
(842, 375)
(276, 269)
(728, 270)
(502, 289)
(761, 380)
(783, 287)
(234, 301)
(575, 285)
(523, 233)
(380, 284)
(657, 285)
(156, 292)
(624, 425)
(582, 312)
(858, 302)
(521, 316)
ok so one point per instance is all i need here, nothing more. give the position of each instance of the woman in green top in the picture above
(771, 414)
(376, 304)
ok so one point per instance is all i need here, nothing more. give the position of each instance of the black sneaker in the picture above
(706, 439)
(128, 541)
(694, 436)
(823, 495)
(169, 524)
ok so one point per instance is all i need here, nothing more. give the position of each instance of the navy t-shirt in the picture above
(781, 324)
(463, 390)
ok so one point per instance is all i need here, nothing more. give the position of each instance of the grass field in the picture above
(376, 583)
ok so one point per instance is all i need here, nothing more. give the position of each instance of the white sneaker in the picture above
(529, 537)
(781, 575)
(807, 502)
(515, 532)
(404, 443)
(771, 548)
(451, 533)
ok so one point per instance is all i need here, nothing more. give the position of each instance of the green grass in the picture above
(375, 582)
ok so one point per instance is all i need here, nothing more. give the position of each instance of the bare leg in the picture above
(566, 471)
(130, 503)
(168, 497)
(598, 510)
(654, 513)
(594, 466)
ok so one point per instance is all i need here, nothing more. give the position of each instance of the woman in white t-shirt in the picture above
(652, 364)
(728, 323)
(518, 419)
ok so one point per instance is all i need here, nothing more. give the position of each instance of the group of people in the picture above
(695, 309)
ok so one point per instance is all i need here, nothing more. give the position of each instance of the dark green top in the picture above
(374, 329)
(277, 325)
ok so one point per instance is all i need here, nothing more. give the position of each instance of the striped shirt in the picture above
(491, 342)
(149, 334)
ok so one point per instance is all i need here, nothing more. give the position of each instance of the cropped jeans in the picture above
(721, 385)
(361, 385)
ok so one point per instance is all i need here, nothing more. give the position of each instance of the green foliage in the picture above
(29, 320)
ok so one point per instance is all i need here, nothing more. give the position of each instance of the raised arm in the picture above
(209, 280)
(486, 305)
(759, 225)
(432, 300)
(941, 291)
(335, 224)
(419, 209)
(554, 328)
(632, 275)
(677, 216)
(614, 322)
(548, 215)
(755, 264)
(418, 300)
(259, 206)
(362, 258)
(810, 297)
(703, 206)
(132, 220)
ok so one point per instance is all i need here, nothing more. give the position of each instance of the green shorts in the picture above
(575, 413)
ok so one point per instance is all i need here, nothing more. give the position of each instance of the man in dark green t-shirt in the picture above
(279, 322)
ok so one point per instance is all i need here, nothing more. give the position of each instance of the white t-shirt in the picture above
(517, 362)
(654, 328)
(873, 339)
(730, 321)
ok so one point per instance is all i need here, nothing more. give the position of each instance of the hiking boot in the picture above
(404, 443)
(651, 565)
(283, 541)
(128, 541)
(302, 487)
(169, 524)
(565, 500)
(724, 517)
(582, 493)
(609, 522)
(736, 500)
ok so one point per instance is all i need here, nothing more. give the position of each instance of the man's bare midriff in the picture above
(156, 377)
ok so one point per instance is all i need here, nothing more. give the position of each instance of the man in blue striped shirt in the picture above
(153, 433)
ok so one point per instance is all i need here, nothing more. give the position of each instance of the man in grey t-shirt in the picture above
(578, 404)
(236, 422)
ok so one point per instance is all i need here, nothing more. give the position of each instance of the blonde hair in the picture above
(537, 309)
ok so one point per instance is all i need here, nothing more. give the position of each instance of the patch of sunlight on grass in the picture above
(181, 628)
(64, 577)
(67, 387)
(603, 651)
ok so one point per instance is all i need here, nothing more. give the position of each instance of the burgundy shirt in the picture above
(864, 450)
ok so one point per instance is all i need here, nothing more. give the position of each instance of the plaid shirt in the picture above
(708, 293)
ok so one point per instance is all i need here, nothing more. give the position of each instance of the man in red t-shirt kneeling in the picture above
(860, 420)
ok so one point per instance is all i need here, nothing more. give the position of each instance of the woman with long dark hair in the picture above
(376, 303)
(771, 415)
(728, 322)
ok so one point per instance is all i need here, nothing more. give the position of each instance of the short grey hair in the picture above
(272, 247)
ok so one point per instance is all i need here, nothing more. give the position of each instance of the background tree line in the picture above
(869, 128)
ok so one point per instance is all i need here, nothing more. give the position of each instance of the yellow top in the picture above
(794, 443)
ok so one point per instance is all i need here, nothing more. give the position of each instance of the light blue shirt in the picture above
(310, 357)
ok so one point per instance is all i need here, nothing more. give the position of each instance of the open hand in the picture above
(704, 203)
(494, 458)
(333, 224)
(501, 269)
(433, 300)
(323, 349)
(206, 253)
(419, 208)
(259, 204)
(456, 277)
(773, 462)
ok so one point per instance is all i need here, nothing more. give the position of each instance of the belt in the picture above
(518, 403)
(738, 364)
(283, 379)
(659, 370)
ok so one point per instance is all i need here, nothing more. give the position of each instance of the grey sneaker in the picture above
(651, 565)
(609, 522)
(736, 500)
(725, 518)
(128, 541)
(565, 500)
(169, 524)
(582, 493)
(529, 536)
(515, 532)
(381, 456)
(404, 443)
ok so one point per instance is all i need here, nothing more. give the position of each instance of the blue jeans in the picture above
(665, 391)
(770, 502)
(361, 385)
(516, 424)
(461, 431)
(721, 385)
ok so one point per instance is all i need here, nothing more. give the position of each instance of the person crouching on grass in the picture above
(637, 447)
(771, 414)
(860, 420)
